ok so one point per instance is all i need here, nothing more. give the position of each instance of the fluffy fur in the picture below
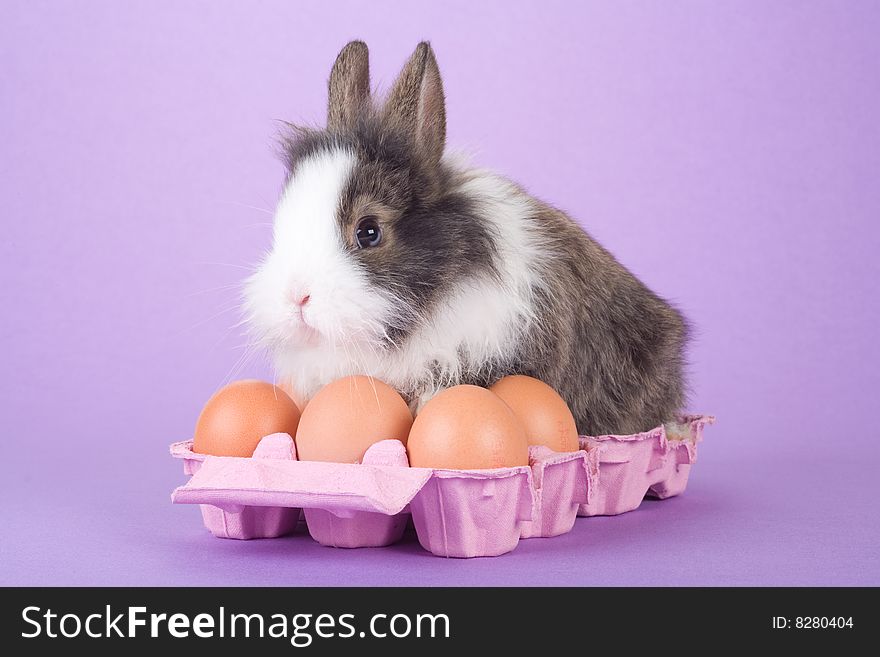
(473, 278)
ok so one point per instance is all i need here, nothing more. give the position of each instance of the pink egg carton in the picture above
(456, 513)
(654, 463)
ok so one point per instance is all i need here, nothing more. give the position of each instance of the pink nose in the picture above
(303, 300)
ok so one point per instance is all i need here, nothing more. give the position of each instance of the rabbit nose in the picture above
(300, 299)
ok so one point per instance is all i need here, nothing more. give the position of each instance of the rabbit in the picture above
(395, 260)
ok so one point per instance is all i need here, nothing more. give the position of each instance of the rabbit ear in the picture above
(416, 104)
(349, 86)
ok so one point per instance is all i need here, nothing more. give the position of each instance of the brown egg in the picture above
(239, 415)
(467, 428)
(349, 415)
(544, 414)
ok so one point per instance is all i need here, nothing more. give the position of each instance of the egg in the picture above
(347, 416)
(238, 416)
(467, 428)
(544, 414)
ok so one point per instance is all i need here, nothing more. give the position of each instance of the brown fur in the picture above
(349, 86)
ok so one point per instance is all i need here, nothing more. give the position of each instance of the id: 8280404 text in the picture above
(813, 622)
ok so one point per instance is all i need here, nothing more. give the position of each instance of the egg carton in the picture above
(456, 513)
(654, 463)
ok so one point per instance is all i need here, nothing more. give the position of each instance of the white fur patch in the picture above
(309, 257)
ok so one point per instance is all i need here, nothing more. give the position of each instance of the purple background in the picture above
(727, 152)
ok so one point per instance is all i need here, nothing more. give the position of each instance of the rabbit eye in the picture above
(368, 233)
